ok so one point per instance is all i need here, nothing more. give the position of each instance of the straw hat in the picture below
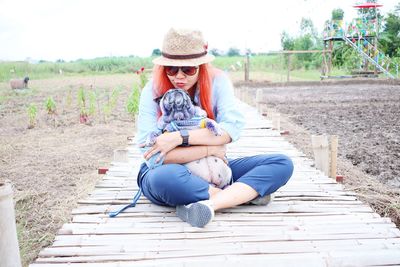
(183, 47)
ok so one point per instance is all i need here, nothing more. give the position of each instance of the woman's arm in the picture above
(168, 141)
(182, 155)
(206, 137)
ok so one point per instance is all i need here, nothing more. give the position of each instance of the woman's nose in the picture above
(180, 74)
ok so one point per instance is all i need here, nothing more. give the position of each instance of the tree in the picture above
(337, 14)
(233, 51)
(156, 52)
(215, 52)
(308, 40)
(390, 38)
(287, 42)
(307, 28)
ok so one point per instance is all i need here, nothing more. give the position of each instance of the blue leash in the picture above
(133, 204)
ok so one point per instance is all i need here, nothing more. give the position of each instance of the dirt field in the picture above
(366, 117)
(55, 164)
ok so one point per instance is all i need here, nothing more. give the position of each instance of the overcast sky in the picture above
(72, 29)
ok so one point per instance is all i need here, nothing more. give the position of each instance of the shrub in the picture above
(83, 115)
(50, 105)
(132, 105)
(32, 112)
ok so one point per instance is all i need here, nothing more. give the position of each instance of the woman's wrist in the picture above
(178, 138)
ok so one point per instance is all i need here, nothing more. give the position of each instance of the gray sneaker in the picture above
(260, 201)
(197, 214)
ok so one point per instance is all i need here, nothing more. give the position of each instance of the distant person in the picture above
(184, 64)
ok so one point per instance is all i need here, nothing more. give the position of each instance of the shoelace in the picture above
(133, 204)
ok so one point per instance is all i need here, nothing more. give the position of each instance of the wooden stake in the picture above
(247, 96)
(320, 147)
(288, 68)
(241, 94)
(121, 155)
(334, 147)
(276, 121)
(259, 99)
(247, 68)
(9, 250)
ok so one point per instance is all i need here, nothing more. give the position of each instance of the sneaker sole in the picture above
(262, 201)
(197, 215)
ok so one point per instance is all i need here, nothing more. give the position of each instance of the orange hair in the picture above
(162, 84)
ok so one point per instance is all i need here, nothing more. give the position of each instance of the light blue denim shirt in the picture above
(223, 103)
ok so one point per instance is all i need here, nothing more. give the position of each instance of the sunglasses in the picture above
(188, 70)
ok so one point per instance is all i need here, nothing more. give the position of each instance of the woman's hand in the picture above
(217, 151)
(164, 143)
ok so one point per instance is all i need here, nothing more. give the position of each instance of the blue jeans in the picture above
(173, 184)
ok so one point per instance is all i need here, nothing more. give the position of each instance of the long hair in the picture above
(162, 84)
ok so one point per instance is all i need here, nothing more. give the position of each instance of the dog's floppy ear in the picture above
(167, 102)
(164, 103)
(157, 100)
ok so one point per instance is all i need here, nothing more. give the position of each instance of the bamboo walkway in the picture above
(311, 222)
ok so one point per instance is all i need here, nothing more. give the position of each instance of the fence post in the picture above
(276, 121)
(334, 146)
(9, 250)
(121, 155)
(247, 68)
(259, 99)
(288, 68)
(320, 147)
(247, 97)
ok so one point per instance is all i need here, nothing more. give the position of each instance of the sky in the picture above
(73, 29)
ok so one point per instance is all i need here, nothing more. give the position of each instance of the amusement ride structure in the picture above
(362, 35)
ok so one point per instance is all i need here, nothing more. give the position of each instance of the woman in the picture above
(184, 64)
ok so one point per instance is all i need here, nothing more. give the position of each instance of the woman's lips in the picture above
(180, 84)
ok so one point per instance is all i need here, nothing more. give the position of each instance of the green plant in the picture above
(32, 112)
(69, 98)
(50, 105)
(83, 115)
(92, 102)
(132, 105)
(114, 97)
(111, 102)
(142, 77)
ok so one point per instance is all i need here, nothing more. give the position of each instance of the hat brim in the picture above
(163, 61)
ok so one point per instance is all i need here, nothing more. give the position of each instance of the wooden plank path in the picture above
(311, 222)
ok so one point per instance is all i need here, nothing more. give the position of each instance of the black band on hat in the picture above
(191, 56)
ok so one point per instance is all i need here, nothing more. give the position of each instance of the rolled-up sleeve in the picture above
(226, 107)
(147, 121)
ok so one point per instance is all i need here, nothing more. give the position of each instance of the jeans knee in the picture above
(287, 171)
(173, 184)
(167, 176)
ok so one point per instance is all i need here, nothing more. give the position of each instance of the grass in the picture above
(274, 65)
(31, 234)
(43, 70)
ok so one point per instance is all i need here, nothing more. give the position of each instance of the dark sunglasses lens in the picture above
(171, 71)
(189, 70)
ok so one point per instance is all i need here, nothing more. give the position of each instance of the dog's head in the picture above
(176, 105)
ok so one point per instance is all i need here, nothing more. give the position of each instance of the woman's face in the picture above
(183, 77)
